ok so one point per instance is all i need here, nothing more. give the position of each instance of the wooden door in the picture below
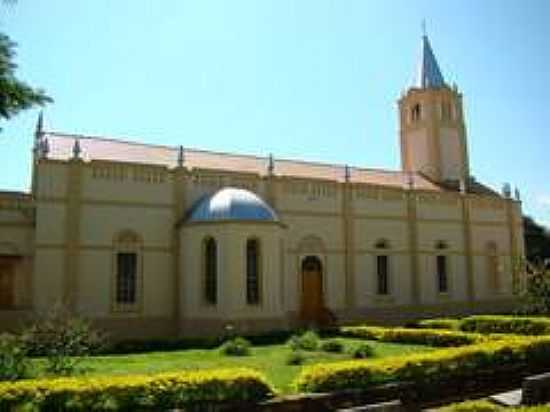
(7, 300)
(312, 290)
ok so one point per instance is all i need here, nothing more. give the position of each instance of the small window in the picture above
(126, 281)
(252, 272)
(382, 274)
(416, 113)
(442, 280)
(210, 271)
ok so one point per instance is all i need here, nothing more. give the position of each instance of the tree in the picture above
(537, 241)
(15, 95)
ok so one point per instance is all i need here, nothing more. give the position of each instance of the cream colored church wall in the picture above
(231, 245)
(375, 201)
(128, 183)
(456, 275)
(313, 196)
(450, 153)
(439, 206)
(51, 180)
(48, 277)
(399, 282)
(50, 223)
(101, 223)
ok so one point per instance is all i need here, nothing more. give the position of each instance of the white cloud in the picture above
(543, 200)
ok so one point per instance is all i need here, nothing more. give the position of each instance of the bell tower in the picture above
(432, 129)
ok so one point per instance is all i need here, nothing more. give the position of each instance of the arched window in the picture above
(382, 267)
(416, 113)
(210, 271)
(492, 266)
(252, 271)
(441, 268)
(127, 278)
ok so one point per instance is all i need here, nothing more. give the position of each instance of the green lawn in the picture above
(269, 359)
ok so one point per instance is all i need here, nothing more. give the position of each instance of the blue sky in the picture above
(315, 79)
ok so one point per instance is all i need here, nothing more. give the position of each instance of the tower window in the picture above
(252, 272)
(416, 113)
(210, 271)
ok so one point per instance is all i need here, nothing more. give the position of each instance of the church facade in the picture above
(158, 241)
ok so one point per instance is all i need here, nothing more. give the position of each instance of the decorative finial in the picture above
(347, 173)
(506, 190)
(424, 28)
(181, 156)
(270, 164)
(39, 125)
(76, 149)
(516, 194)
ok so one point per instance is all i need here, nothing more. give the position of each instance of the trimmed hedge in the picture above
(429, 337)
(439, 323)
(130, 392)
(517, 325)
(428, 369)
(486, 406)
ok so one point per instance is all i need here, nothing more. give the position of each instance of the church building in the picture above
(159, 241)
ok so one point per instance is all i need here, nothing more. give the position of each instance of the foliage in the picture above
(161, 391)
(439, 323)
(63, 339)
(332, 346)
(461, 363)
(516, 325)
(536, 296)
(236, 347)
(308, 341)
(15, 95)
(14, 363)
(295, 357)
(537, 241)
(438, 338)
(363, 351)
(486, 406)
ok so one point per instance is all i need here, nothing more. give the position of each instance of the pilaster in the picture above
(412, 224)
(349, 243)
(468, 253)
(73, 208)
(179, 202)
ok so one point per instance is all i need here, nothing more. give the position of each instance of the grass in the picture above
(269, 359)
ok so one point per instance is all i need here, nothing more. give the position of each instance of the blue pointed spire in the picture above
(428, 75)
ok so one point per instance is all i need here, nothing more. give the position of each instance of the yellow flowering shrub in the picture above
(161, 391)
(425, 368)
(429, 337)
(519, 325)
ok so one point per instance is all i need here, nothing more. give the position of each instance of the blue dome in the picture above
(232, 204)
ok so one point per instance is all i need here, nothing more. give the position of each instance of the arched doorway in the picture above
(312, 290)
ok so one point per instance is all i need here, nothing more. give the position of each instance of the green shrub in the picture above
(486, 406)
(308, 341)
(472, 406)
(362, 351)
(236, 347)
(429, 337)
(439, 323)
(333, 346)
(518, 325)
(461, 363)
(295, 358)
(63, 339)
(14, 362)
(135, 392)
